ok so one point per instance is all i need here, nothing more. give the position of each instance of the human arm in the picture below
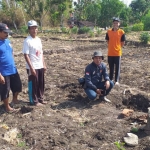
(88, 78)
(106, 77)
(107, 37)
(2, 79)
(33, 72)
(123, 38)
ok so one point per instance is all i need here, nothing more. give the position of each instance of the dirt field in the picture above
(68, 122)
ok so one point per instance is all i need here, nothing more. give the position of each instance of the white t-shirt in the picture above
(33, 47)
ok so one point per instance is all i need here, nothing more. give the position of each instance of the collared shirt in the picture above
(95, 74)
(7, 64)
(114, 39)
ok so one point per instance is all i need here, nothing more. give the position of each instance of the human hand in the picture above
(107, 85)
(45, 68)
(99, 91)
(2, 79)
(33, 72)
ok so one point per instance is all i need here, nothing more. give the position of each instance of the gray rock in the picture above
(131, 139)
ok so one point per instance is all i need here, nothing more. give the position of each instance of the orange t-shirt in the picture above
(114, 42)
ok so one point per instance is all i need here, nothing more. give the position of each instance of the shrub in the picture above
(91, 33)
(98, 31)
(23, 29)
(127, 29)
(74, 30)
(146, 21)
(64, 30)
(83, 30)
(138, 27)
(145, 38)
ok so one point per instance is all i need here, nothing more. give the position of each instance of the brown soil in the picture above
(68, 122)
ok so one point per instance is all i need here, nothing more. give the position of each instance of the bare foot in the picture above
(39, 104)
(43, 102)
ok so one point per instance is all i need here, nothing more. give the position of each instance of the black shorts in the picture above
(12, 82)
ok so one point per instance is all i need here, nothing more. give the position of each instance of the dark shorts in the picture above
(12, 82)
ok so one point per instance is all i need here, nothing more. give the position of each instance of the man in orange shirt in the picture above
(116, 39)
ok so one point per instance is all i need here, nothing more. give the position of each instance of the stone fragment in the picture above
(131, 139)
(127, 112)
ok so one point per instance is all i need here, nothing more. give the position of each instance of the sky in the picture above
(127, 2)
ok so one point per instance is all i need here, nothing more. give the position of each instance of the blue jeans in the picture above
(92, 94)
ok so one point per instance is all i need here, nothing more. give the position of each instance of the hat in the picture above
(32, 23)
(116, 19)
(3, 27)
(98, 53)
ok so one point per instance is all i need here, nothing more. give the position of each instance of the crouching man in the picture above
(97, 81)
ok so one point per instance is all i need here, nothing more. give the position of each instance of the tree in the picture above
(146, 21)
(93, 12)
(9, 8)
(125, 16)
(110, 9)
(139, 8)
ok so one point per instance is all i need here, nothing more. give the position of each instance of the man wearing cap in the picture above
(97, 81)
(9, 77)
(116, 39)
(35, 65)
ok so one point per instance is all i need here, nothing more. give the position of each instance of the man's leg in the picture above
(16, 86)
(111, 66)
(117, 68)
(4, 91)
(6, 104)
(40, 93)
(32, 88)
(90, 93)
(111, 86)
(101, 85)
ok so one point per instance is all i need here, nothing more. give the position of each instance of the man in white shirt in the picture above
(33, 53)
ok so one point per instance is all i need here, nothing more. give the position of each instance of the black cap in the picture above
(3, 27)
(116, 19)
(98, 53)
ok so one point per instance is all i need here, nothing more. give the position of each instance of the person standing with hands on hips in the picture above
(33, 53)
(97, 81)
(115, 38)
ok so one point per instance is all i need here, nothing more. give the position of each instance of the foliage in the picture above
(74, 30)
(127, 29)
(119, 145)
(83, 30)
(124, 15)
(91, 33)
(24, 29)
(21, 144)
(139, 9)
(64, 30)
(138, 27)
(146, 21)
(109, 9)
(145, 38)
(95, 12)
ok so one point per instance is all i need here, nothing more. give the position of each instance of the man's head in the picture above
(33, 28)
(97, 57)
(116, 23)
(4, 30)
